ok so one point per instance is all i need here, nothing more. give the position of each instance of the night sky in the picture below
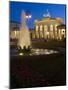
(36, 10)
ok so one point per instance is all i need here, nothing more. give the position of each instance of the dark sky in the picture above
(36, 10)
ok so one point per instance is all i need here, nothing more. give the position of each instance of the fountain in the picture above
(24, 41)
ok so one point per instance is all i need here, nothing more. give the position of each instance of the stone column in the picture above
(51, 31)
(60, 34)
(36, 32)
(41, 31)
(45, 31)
(56, 33)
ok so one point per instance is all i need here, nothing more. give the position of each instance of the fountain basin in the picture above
(32, 52)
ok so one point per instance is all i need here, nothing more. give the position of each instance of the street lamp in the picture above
(28, 16)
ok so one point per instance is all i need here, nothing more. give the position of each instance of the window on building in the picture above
(63, 31)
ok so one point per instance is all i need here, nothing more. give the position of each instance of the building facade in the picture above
(47, 28)
(61, 30)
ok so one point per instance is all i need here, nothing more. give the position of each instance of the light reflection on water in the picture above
(21, 54)
(40, 52)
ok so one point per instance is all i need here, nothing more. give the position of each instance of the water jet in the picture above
(24, 41)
